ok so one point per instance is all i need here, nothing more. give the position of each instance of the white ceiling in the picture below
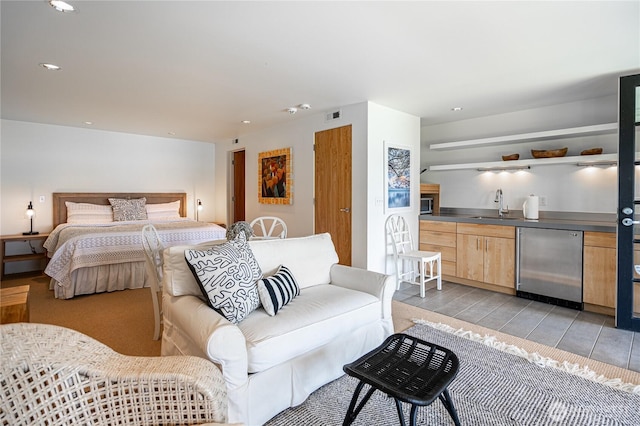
(198, 68)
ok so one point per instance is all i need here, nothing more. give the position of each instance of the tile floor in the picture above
(583, 333)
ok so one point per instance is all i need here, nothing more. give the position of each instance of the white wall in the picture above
(397, 128)
(371, 125)
(567, 188)
(39, 159)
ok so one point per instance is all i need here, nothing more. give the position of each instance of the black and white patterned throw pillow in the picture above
(124, 209)
(227, 275)
(277, 290)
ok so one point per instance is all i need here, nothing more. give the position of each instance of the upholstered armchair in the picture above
(57, 376)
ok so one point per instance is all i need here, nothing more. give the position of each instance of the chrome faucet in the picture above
(499, 199)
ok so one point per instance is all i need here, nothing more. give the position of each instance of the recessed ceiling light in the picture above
(292, 110)
(88, 123)
(171, 133)
(246, 121)
(51, 67)
(304, 106)
(456, 109)
(61, 6)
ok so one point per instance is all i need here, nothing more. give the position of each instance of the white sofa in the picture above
(270, 363)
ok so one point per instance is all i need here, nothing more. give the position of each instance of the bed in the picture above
(92, 252)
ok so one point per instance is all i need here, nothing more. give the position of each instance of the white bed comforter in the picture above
(74, 246)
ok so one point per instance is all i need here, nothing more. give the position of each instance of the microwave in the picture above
(426, 204)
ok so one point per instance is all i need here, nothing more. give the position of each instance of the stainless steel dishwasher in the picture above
(549, 266)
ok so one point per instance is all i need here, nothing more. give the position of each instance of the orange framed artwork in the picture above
(275, 177)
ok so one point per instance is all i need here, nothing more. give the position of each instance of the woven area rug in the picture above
(497, 384)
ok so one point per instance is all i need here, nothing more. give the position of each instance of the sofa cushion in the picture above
(317, 316)
(277, 290)
(227, 274)
(177, 278)
(308, 258)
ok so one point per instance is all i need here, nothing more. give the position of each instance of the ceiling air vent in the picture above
(333, 115)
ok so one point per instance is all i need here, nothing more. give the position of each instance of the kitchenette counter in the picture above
(594, 222)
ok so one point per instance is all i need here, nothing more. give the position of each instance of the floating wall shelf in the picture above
(597, 129)
(527, 163)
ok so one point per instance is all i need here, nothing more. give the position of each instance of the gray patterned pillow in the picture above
(227, 274)
(124, 209)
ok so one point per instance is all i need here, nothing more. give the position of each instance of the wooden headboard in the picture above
(102, 198)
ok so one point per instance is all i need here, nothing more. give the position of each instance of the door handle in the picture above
(346, 210)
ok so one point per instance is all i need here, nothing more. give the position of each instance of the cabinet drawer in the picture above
(448, 268)
(487, 230)
(431, 225)
(447, 253)
(600, 239)
(446, 239)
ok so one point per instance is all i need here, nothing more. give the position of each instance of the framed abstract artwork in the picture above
(275, 177)
(397, 194)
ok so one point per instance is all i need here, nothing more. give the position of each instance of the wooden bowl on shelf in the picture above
(510, 157)
(592, 151)
(549, 153)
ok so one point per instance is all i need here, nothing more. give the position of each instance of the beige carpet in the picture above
(123, 320)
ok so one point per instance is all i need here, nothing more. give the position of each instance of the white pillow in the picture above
(227, 274)
(163, 211)
(86, 213)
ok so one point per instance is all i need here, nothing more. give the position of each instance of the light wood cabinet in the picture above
(599, 269)
(440, 236)
(486, 253)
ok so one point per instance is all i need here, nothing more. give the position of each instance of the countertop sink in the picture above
(494, 217)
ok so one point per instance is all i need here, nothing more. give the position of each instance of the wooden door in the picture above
(469, 256)
(333, 188)
(238, 186)
(499, 261)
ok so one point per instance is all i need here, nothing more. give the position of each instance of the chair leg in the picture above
(156, 314)
(439, 279)
(423, 278)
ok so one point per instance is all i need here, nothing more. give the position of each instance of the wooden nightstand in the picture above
(4, 239)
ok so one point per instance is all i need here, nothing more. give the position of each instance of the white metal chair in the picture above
(266, 227)
(153, 253)
(411, 264)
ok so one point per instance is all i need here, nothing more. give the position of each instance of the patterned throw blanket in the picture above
(71, 246)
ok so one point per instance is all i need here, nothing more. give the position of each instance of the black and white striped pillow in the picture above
(277, 290)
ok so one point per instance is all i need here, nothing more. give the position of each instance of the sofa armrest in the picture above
(221, 341)
(379, 285)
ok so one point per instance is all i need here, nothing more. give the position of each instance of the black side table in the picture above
(408, 370)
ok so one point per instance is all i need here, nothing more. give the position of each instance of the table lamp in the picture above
(30, 213)
(198, 210)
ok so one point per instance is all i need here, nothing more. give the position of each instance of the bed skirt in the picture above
(103, 278)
